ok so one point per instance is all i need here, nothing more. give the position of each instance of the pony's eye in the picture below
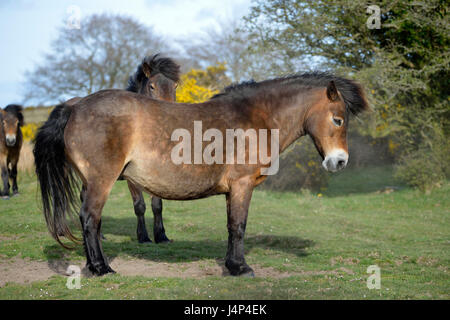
(338, 122)
(152, 87)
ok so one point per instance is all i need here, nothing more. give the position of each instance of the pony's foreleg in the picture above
(5, 177)
(158, 227)
(139, 210)
(238, 201)
(90, 217)
(13, 177)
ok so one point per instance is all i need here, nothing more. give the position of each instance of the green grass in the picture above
(323, 243)
(361, 180)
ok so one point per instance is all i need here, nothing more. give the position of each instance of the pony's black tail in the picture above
(57, 180)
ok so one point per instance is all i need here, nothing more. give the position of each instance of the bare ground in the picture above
(25, 271)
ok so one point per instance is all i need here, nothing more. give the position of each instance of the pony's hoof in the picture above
(240, 270)
(145, 240)
(100, 270)
(162, 239)
(15, 194)
(246, 272)
(108, 270)
(5, 197)
(160, 235)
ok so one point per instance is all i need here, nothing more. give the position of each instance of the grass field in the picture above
(301, 246)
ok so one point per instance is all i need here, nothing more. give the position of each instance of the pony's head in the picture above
(156, 77)
(11, 121)
(327, 121)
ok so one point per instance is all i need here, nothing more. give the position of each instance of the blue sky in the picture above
(28, 27)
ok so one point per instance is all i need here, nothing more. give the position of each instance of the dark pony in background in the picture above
(156, 77)
(11, 119)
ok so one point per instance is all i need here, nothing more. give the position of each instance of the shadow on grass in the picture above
(177, 251)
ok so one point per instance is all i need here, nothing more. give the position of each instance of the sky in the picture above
(27, 27)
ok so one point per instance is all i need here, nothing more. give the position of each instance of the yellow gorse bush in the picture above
(191, 92)
(29, 131)
(199, 85)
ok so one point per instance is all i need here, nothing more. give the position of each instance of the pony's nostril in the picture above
(335, 161)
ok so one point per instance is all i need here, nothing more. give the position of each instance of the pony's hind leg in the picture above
(82, 196)
(139, 210)
(238, 201)
(158, 227)
(90, 217)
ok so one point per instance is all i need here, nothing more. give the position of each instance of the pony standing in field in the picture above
(11, 119)
(156, 77)
(116, 133)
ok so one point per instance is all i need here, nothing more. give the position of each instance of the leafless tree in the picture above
(231, 45)
(101, 54)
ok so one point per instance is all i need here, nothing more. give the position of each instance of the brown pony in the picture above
(11, 119)
(115, 133)
(155, 77)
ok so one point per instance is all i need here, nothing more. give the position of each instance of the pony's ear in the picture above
(21, 121)
(332, 92)
(146, 69)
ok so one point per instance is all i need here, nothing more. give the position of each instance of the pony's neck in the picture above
(288, 109)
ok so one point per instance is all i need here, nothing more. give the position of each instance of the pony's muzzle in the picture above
(335, 160)
(10, 140)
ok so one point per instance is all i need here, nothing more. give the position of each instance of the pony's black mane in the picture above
(157, 64)
(16, 110)
(351, 91)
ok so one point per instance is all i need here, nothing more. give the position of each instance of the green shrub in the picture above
(427, 167)
(421, 172)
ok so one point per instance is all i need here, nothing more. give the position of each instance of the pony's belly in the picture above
(175, 182)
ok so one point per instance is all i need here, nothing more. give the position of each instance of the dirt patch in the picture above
(188, 270)
(25, 271)
(9, 238)
(427, 261)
